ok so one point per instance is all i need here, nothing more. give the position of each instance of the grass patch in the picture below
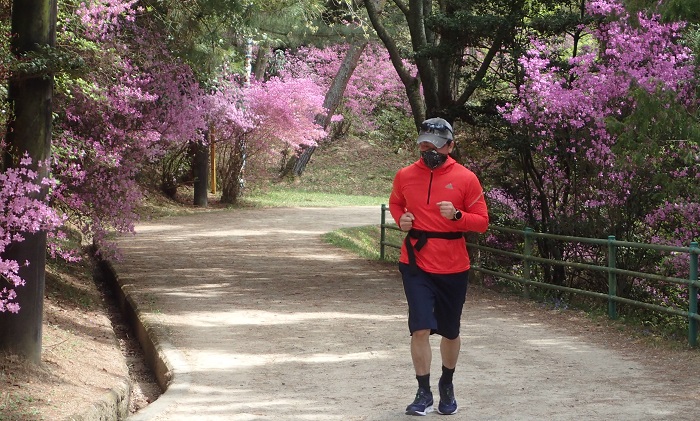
(284, 197)
(18, 407)
(349, 171)
(364, 241)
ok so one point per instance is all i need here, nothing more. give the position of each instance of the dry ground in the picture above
(86, 351)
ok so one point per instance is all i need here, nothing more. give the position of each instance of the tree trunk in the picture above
(261, 62)
(333, 98)
(29, 131)
(200, 168)
(303, 160)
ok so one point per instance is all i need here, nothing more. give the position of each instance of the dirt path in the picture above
(262, 321)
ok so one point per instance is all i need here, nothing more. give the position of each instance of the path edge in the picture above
(162, 358)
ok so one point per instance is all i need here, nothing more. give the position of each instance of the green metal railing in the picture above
(382, 236)
(611, 269)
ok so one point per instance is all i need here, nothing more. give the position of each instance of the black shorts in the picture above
(435, 301)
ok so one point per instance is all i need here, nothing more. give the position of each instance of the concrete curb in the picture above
(111, 406)
(160, 355)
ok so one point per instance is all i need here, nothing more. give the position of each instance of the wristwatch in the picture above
(457, 215)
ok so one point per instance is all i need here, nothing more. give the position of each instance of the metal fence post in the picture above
(527, 251)
(382, 235)
(612, 277)
(693, 296)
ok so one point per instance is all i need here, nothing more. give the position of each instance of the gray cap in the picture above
(436, 131)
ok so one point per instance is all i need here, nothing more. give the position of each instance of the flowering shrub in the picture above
(22, 210)
(583, 172)
(118, 118)
(255, 124)
(373, 86)
(607, 151)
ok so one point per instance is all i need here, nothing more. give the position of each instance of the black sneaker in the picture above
(448, 403)
(422, 405)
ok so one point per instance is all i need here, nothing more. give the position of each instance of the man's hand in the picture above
(447, 209)
(406, 221)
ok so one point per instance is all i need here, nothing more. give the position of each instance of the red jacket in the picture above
(417, 189)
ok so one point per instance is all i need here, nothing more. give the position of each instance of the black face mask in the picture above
(433, 158)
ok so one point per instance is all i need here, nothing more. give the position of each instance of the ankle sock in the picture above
(424, 382)
(447, 374)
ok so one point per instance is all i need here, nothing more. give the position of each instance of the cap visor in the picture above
(438, 141)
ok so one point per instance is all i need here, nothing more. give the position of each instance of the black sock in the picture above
(447, 373)
(424, 382)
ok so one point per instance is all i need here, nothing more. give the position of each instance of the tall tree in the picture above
(333, 98)
(458, 47)
(336, 12)
(29, 132)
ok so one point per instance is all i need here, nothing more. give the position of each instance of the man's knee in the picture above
(421, 334)
(451, 336)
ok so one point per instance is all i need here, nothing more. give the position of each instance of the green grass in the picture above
(17, 407)
(289, 197)
(364, 241)
(349, 171)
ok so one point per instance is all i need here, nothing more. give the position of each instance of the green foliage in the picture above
(64, 58)
(693, 41)
(656, 127)
(214, 34)
(394, 128)
(672, 10)
(555, 21)
(46, 61)
(208, 34)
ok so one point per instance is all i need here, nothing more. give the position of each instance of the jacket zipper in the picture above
(430, 186)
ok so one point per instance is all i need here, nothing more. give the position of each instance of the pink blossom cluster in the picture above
(270, 117)
(103, 19)
(287, 109)
(118, 119)
(373, 84)
(22, 210)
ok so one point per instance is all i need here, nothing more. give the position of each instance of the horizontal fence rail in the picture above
(613, 246)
